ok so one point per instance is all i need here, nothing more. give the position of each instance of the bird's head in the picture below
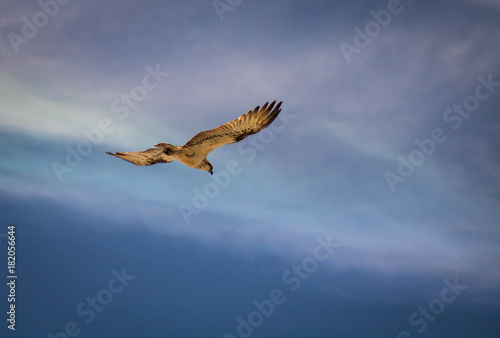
(206, 166)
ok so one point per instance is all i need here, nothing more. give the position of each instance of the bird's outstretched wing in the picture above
(234, 131)
(146, 157)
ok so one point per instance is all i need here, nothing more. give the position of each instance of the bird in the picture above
(194, 152)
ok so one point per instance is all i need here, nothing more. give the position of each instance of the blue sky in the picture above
(386, 150)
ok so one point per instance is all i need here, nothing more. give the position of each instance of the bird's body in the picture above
(194, 152)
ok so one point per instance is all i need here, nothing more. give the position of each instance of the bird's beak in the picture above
(211, 172)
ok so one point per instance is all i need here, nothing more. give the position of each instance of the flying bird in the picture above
(194, 152)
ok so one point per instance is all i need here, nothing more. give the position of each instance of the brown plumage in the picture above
(194, 152)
